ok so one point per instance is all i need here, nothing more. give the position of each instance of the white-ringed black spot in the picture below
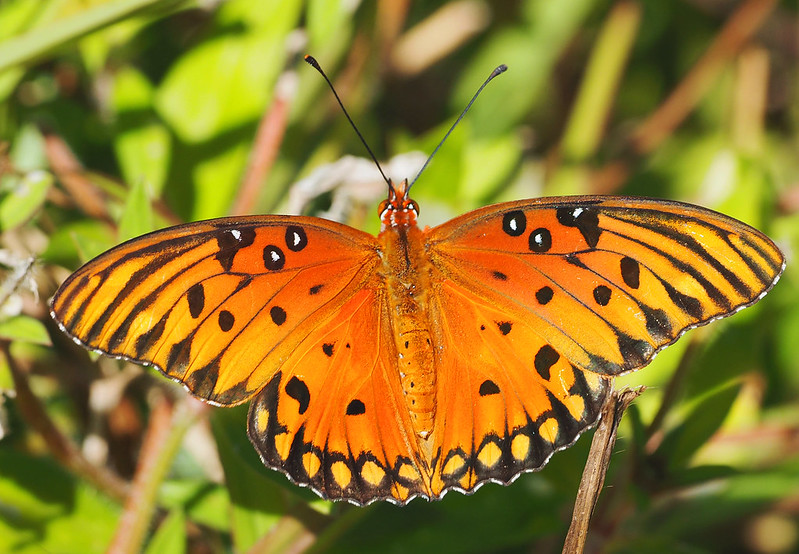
(540, 240)
(327, 348)
(274, 259)
(544, 295)
(298, 390)
(545, 358)
(488, 387)
(356, 407)
(504, 327)
(315, 289)
(296, 239)
(514, 223)
(226, 320)
(196, 298)
(278, 315)
(602, 295)
(630, 272)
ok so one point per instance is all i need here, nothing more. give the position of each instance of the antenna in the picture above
(313, 63)
(498, 71)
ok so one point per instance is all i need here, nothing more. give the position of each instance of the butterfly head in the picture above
(398, 210)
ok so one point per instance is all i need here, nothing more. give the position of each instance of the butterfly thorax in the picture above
(406, 271)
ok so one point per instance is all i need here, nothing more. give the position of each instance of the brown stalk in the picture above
(597, 466)
(268, 139)
(72, 175)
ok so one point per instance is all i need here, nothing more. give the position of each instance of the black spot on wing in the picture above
(499, 276)
(488, 388)
(630, 272)
(196, 298)
(296, 238)
(584, 219)
(545, 358)
(504, 327)
(274, 258)
(544, 295)
(298, 390)
(327, 348)
(356, 407)
(229, 242)
(226, 320)
(514, 223)
(315, 289)
(278, 315)
(540, 240)
(602, 295)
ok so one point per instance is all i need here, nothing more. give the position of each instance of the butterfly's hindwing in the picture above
(332, 418)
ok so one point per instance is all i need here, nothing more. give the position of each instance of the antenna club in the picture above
(312, 61)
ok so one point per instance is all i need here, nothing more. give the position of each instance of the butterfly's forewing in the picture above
(217, 305)
(540, 298)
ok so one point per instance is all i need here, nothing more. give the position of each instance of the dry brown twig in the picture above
(597, 466)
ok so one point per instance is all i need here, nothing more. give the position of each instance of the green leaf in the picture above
(137, 217)
(25, 199)
(26, 329)
(170, 536)
(28, 149)
(38, 42)
(143, 145)
(258, 501)
(682, 442)
(45, 509)
(203, 502)
(79, 241)
(220, 85)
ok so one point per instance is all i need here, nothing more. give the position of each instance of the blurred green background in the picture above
(118, 117)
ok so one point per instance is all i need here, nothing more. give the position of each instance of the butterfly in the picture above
(421, 360)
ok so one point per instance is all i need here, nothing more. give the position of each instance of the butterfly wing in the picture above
(333, 418)
(287, 309)
(541, 298)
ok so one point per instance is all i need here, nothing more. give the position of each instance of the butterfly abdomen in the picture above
(406, 272)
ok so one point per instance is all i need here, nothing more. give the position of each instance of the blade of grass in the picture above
(38, 42)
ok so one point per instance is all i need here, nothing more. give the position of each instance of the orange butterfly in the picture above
(421, 360)
(417, 361)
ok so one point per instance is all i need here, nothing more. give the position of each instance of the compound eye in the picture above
(415, 207)
(384, 205)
